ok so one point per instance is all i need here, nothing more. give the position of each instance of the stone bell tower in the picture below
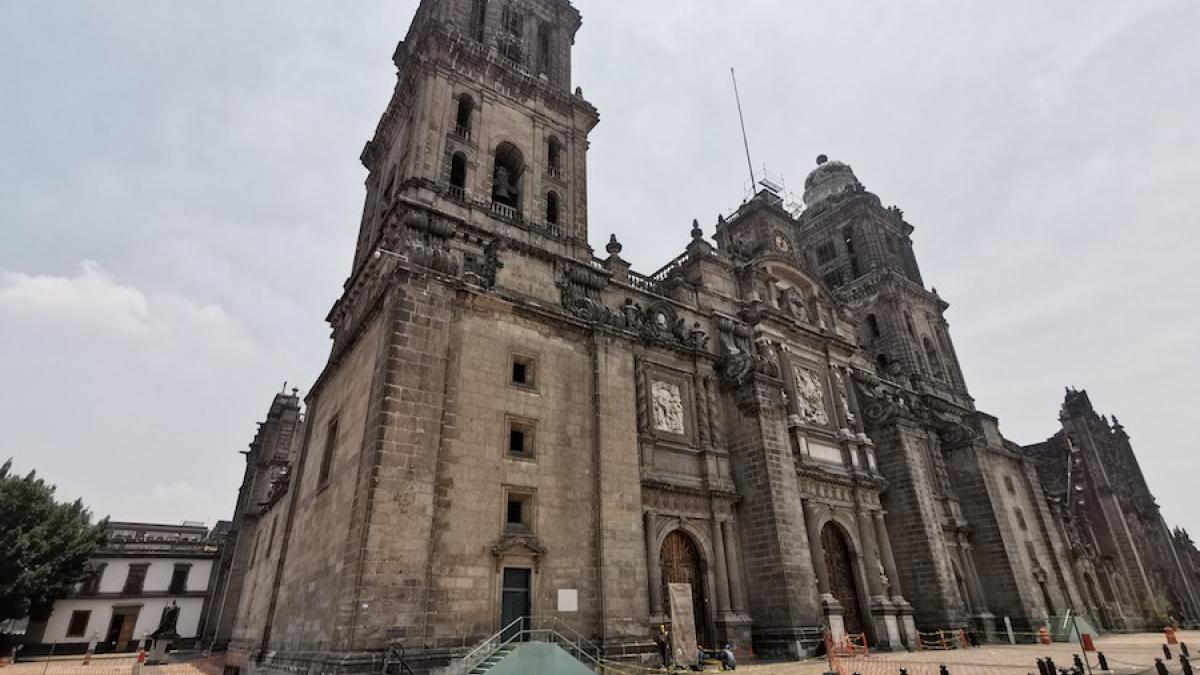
(866, 252)
(483, 126)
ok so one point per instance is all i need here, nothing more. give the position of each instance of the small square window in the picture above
(520, 439)
(79, 623)
(518, 512)
(1008, 485)
(524, 371)
(1021, 520)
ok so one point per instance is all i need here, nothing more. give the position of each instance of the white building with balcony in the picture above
(143, 569)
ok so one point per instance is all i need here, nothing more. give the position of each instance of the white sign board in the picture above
(568, 600)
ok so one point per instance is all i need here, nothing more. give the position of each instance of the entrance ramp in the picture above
(534, 658)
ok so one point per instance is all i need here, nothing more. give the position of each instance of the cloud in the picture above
(94, 299)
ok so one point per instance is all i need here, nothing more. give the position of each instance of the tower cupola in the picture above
(829, 178)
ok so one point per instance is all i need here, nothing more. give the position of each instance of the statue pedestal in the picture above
(158, 652)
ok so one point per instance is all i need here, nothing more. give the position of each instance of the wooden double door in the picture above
(843, 580)
(681, 563)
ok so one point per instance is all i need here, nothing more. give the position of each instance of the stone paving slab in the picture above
(1127, 655)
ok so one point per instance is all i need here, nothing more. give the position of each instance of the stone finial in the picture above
(821, 159)
(697, 233)
(720, 221)
(614, 247)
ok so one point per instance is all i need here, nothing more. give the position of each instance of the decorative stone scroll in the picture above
(810, 394)
(668, 407)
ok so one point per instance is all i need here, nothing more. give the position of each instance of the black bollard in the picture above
(1103, 661)
(904, 671)
(943, 670)
(1186, 663)
(1183, 649)
(1167, 652)
(1078, 664)
(1042, 670)
(1050, 667)
(1161, 667)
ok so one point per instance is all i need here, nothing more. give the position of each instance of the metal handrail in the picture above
(496, 642)
(480, 653)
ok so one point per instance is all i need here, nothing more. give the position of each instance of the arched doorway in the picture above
(681, 564)
(843, 583)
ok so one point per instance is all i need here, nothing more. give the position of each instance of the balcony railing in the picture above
(554, 172)
(456, 192)
(505, 211)
(198, 548)
(463, 133)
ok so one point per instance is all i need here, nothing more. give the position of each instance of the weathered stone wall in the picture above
(914, 519)
(255, 601)
(315, 571)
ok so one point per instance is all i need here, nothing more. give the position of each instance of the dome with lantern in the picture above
(828, 179)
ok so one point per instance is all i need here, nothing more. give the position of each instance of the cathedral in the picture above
(511, 425)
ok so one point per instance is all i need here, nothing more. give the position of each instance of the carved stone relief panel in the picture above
(680, 503)
(668, 405)
(667, 402)
(810, 392)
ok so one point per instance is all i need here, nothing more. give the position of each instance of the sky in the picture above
(180, 193)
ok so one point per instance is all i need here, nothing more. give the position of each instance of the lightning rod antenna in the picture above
(745, 140)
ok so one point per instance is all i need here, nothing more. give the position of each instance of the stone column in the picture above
(885, 552)
(978, 604)
(789, 382)
(733, 567)
(816, 549)
(654, 571)
(871, 564)
(721, 567)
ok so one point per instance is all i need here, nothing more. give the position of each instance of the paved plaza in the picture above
(1127, 655)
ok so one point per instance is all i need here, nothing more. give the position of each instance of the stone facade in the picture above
(1134, 572)
(254, 535)
(778, 420)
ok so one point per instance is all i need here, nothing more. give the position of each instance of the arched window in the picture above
(554, 157)
(552, 208)
(478, 19)
(458, 175)
(507, 175)
(908, 324)
(462, 121)
(882, 362)
(935, 361)
(873, 326)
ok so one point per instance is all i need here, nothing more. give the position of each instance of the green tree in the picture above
(44, 544)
